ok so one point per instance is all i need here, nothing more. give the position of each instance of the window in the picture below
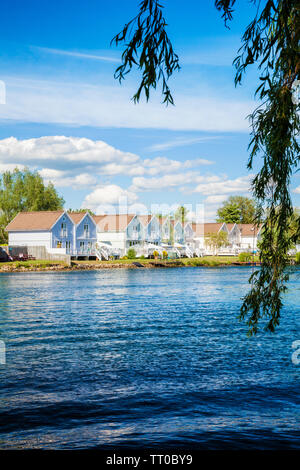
(81, 245)
(86, 230)
(63, 231)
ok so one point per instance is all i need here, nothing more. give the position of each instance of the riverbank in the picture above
(44, 265)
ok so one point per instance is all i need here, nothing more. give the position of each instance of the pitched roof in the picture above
(230, 226)
(77, 216)
(113, 223)
(98, 218)
(145, 219)
(248, 230)
(198, 229)
(30, 221)
(212, 227)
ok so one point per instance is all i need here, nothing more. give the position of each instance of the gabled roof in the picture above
(175, 222)
(198, 229)
(34, 221)
(145, 219)
(113, 223)
(212, 227)
(230, 227)
(163, 219)
(77, 216)
(248, 230)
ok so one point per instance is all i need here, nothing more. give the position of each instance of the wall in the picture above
(56, 232)
(80, 236)
(30, 239)
(116, 239)
(39, 252)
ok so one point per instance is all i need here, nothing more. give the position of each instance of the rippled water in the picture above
(144, 358)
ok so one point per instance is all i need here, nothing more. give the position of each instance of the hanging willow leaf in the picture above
(149, 48)
(271, 43)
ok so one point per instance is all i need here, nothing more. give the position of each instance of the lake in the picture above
(144, 358)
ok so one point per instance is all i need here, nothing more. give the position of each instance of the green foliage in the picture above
(237, 209)
(244, 257)
(131, 253)
(24, 190)
(216, 240)
(142, 257)
(297, 258)
(155, 253)
(82, 210)
(181, 214)
(147, 47)
(271, 43)
(165, 254)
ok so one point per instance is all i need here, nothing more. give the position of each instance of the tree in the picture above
(237, 210)
(216, 240)
(271, 42)
(181, 214)
(82, 210)
(23, 190)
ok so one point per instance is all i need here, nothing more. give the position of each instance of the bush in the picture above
(165, 254)
(244, 257)
(155, 253)
(298, 257)
(131, 253)
(124, 257)
(142, 257)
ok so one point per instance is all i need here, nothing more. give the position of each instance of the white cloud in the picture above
(78, 55)
(164, 182)
(62, 179)
(61, 148)
(218, 198)
(297, 190)
(101, 105)
(181, 142)
(108, 195)
(225, 186)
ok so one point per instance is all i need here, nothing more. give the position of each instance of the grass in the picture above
(206, 261)
(42, 263)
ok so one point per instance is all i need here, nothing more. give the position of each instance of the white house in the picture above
(58, 231)
(249, 236)
(118, 232)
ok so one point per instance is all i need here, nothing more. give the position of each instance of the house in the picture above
(85, 233)
(249, 236)
(59, 232)
(118, 232)
(151, 229)
(189, 234)
(234, 236)
(165, 229)
(178, 232)
(52, 229)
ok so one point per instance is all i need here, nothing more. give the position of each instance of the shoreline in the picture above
(44, 266)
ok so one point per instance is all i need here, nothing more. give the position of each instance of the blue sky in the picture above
(67, 117)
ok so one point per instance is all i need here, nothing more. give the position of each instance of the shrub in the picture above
(165, 254)
(131, 253)
(244, 257)
(155, 253)
(142, 257)
(298, 257)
